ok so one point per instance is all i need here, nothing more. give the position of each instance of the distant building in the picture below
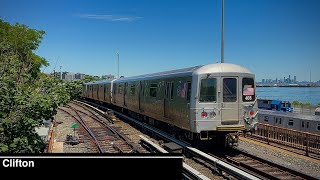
(108, 77)
(64, 75)
(294, 79)
(69, 76)
(79, 76)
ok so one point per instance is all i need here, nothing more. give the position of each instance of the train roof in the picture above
(290, 115)
(221, 68)
(201, 69)
(98, 82)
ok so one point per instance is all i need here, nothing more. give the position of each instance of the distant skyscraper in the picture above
(295, 79)
(263, 81)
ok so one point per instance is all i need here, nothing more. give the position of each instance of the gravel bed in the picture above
(311, 168)
(63, 128)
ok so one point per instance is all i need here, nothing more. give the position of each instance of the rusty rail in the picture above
(51, 139)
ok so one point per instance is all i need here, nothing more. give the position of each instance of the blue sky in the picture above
(272, 38)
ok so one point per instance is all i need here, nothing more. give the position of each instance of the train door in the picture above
(125, 93)
(229, 100)
(141, 95)
(167, 96)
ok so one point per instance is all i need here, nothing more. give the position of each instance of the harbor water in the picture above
(301, 94)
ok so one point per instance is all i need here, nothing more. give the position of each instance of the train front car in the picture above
(224, 102)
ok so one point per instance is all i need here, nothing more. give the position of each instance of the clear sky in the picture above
(272, 38)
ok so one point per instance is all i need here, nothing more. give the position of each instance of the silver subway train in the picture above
(199, 103)
(289, 120)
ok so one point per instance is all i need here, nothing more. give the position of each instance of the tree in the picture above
(74, 88)
(27, 95)
(295, 102)
(307, 103)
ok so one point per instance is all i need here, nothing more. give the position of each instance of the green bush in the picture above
(295, 102)
(307, 103)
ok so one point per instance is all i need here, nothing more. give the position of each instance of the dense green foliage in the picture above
(74, 88)
(295, 102)
(307, 104)
(27, 96)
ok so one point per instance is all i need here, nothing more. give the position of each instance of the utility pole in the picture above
(222, 34)
(310, 76)
(118, 64)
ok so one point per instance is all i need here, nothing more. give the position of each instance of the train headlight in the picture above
(251, 113)
(204, 114)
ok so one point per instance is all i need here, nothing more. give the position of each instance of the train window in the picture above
(166, 91)
(318, 127)
(171, 95)
(307, 124)
(266, 118)
(229, 90)
(302, 124)
(248, 89)
(153, 90)
(276, 120)
(189, 91)
(119, 89)
(279, 120)
(208, 90)
(290, 123)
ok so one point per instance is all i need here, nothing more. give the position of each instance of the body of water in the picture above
(301, 94)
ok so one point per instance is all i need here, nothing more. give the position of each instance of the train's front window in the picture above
(208, 90)
(248, 91)
(229, 90)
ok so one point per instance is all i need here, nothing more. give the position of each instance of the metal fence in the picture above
(304, 109)
(310, 143)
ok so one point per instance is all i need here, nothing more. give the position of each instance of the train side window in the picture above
(188, 91)
(302, 124)
(276, 120)
(266, 118)
(132, 89)
(307, 124)
(167, 90)
(208, 90)
(153, 90)
(279, 120)
(115, 90)
(119, 89)
(290, 123)
(318, 127)
(171, 95)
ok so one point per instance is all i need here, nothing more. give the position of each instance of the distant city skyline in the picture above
(272, 38)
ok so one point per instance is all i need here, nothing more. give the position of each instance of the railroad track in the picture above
(239, 166)
(260, 166)
(105, 138)
(108, 120)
